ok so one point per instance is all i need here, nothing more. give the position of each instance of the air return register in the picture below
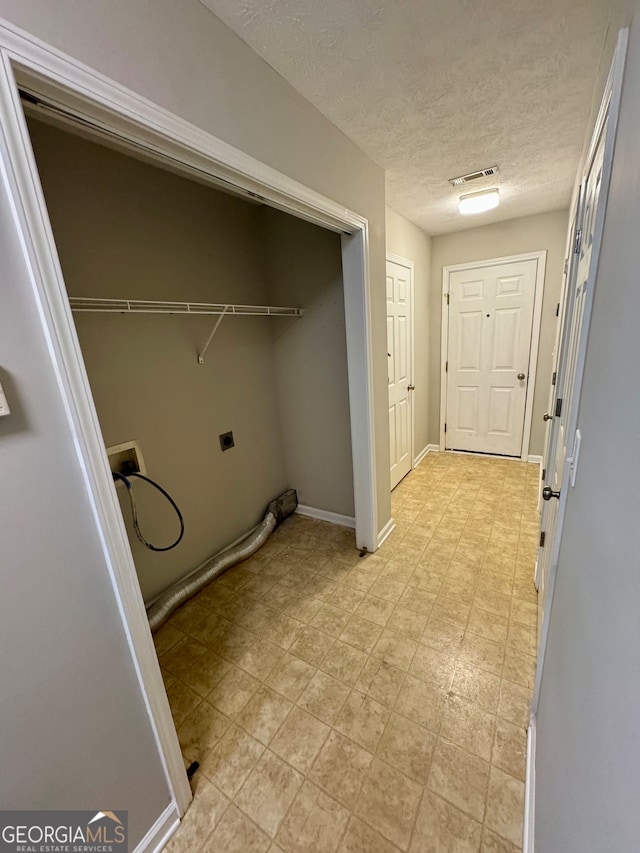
(474, 176)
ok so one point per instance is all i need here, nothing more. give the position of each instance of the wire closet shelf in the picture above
(80, 304)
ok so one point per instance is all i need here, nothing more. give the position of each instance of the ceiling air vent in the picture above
(473, 176)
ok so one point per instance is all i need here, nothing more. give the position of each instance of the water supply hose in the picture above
(134, 509)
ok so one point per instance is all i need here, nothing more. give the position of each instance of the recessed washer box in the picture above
(126, 457)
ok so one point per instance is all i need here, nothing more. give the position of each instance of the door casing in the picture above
(541, 258)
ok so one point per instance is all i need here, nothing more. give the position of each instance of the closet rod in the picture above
(141, 306)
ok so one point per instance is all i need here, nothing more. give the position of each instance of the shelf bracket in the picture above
(201, 355)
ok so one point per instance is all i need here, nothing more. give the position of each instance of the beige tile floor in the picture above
(367, 704)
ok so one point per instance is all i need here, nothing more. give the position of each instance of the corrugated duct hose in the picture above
(161, 609)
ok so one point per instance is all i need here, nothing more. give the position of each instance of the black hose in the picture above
(134, 511)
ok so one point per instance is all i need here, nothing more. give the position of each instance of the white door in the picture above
(399, 360)
(565, 441)
(549, 509)
(575, 329)
(489, 343)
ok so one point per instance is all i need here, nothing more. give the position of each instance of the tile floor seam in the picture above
(282, 820)
(415, 822)
(436, 733)
(408, 845)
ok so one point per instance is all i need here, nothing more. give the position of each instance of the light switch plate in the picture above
(4, 406)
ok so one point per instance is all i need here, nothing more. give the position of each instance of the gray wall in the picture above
(517, 236)
(588, 740)
(303, 267)
(179, 55)
(408, 241)
(59, 609)
(125, 229)
(75, 731)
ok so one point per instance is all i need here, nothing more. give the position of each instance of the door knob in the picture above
(521, 376)
(548, 493)
(547, 417)
(411, 387)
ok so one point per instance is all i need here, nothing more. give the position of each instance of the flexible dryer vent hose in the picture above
(213, 567)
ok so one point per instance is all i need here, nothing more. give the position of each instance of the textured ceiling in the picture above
(431, 89)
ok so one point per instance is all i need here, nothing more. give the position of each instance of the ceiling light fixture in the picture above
(479, 202)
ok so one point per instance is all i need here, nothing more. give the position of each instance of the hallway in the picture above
(367, 705)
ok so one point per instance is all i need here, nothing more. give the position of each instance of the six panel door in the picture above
(490, 327)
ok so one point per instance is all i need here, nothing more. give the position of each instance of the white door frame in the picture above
(114, 109)
(561, 344)
(541, 258)
(409, 265)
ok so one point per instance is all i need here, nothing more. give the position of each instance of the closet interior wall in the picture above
(303, 265)
(127, 229)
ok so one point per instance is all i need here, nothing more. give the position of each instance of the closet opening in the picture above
(200, 313)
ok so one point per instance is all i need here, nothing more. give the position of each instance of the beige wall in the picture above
(517, 236)
(125, 229)
(303, 267)
(408, 241)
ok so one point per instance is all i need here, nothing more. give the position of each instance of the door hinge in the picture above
(558, 310)
(558, 407)
(447, 298)
(445, 427)
(578, 243)
(543, 536)
(566, 265)
(446, 367)
(553, 378)
(544, 474)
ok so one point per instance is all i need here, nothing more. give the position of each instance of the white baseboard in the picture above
(386, 531)
(532, 457)
(430, 448)
(325, 515)
(161, 831)
(530, 790)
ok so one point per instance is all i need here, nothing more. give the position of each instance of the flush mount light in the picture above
(479, 202)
